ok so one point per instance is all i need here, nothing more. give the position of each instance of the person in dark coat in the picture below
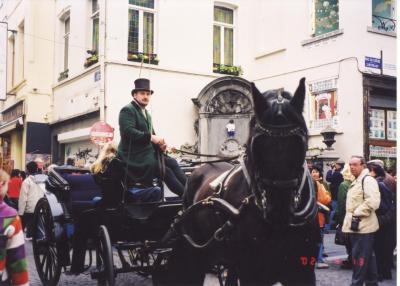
(386, 213)
(139, 146)
(335, 178)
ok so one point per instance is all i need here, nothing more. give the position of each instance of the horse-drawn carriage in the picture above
(71, 203)
(259, 222)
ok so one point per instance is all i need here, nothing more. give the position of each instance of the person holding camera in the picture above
(335, 178)
(361, 222)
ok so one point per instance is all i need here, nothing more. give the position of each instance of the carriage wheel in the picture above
(44, 244)
(104, 259)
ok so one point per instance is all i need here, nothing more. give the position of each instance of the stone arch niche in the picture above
(221, 100)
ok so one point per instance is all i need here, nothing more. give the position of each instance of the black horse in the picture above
(261, 223)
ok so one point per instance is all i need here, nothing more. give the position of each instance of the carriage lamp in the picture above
(329, 137)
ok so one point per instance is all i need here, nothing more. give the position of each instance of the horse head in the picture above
(276, 154)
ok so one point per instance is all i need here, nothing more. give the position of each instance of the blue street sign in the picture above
(373, 63)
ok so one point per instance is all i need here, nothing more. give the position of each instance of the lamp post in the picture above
(329, 137)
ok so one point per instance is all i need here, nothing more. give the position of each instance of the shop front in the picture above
(11, 134)
(380, 119)
(71, 139)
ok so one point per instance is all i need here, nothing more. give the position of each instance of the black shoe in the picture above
(325, 255)
(346, 264)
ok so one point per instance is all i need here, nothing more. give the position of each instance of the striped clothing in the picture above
(13, 263)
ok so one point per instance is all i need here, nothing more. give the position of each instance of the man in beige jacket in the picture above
(363, 198)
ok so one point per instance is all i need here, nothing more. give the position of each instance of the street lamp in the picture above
(329, 137)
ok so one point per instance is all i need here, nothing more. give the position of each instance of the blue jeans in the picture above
(333, 211)
(321, 248)
(151, 194)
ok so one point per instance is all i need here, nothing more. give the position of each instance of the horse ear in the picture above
(299, 96)
(259, 102)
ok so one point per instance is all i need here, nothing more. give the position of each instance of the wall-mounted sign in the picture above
(13, 112)
(373, 63)
(101, 133)
(3, 60)
(323, 85)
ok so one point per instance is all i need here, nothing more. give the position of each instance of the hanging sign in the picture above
(101, 133)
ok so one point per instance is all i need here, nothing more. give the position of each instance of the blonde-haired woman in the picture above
(107, 170)
(108, 153)
(348, 178)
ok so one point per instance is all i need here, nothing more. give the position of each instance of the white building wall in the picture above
(281, 60)
(269, 45)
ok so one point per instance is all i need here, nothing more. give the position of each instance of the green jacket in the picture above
(341, 202)
(135, 148)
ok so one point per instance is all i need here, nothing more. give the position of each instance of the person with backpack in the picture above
(361, 222)
(386, 214)
(30, 194)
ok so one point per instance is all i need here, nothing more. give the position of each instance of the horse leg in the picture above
(302, 253)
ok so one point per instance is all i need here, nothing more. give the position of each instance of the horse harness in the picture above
(219, 186)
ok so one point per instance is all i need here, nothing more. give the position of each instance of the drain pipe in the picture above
(102, 57)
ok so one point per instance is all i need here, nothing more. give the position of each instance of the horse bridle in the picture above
(260, 185)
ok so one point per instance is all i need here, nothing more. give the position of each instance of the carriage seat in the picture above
(83, 190)
(73, 186)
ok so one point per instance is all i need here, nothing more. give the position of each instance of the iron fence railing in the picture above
(383, 23)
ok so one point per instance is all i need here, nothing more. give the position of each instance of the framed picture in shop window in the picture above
(377, 124)
(391, 125)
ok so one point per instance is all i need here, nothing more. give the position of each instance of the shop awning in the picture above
(74, 135)
(11, 125)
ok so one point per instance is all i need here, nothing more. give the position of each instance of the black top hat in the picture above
(142, 84)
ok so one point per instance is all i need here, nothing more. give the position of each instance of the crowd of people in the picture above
(358, 201)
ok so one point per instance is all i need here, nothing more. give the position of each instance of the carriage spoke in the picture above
(43, 261)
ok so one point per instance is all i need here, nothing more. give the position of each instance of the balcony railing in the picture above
(142, 57)
(91, 60)
(384, 24)
(63, 75)
(225, 69)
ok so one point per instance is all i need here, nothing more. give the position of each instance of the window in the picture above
(66, 41)
(141, 31)
(11, 61)
(326, 16)
(223, 36)
(20, 73)
(382, 124)
(384, 15)
(95, 26)
(323, 104)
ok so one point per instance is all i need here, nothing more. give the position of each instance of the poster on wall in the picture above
(43, 160)
(391, 125)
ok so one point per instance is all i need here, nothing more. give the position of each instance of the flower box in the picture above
(91, 60)
(63, 75)
(145, 58)
(226, 69)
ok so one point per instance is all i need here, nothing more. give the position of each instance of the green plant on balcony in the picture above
(142, 57)
(226, 69)
(63, 75)
(91, 60)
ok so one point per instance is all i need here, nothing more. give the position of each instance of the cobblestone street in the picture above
(325, 277)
